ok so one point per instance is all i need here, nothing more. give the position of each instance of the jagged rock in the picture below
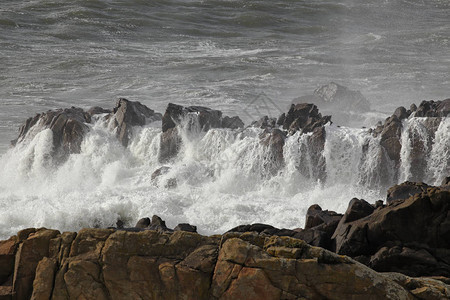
(264, 122)
(232, 122)
(405, 190)
(185, 227)
(143, 223)
(274, 142)
(68, 127)
(304, 117)
(43, 282)
(127, 114)
(401, 113)
(433, 109)
(421, 222)
(194, 118)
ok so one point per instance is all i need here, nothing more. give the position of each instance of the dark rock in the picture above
(379, 203)
(312, 163)
(319, 227)
(413, 107)
(274, 142)
(185, 227)
(445, 181)
(420, 222)
(127, 114)
(119, 224)
(67, 125)
(356, 210)
(401, 113)
(265, 122)
(433, 108)
(405, 190)
(281, 118)
(232, 122)
(191, 118)
(143, 223)
(158, 224)
(258, 227)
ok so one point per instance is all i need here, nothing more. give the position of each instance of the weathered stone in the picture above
(273, 141)
(127, 114)
(68, 128)
(405, 190)
(43, 282)
(28, 255)
(185, 227)
(7, 256)
(192, 119)
(143, 223)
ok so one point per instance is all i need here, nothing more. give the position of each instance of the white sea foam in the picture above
(224, 178)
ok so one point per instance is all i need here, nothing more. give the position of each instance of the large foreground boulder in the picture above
(410, 235)
(110, 264)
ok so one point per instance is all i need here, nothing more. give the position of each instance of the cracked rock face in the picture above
(110, 264)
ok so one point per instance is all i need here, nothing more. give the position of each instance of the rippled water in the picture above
(217, 53)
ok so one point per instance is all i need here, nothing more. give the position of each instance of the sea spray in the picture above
(223, 178)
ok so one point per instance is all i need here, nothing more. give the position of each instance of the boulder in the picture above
(185, 227)
(304, 117)
(418, 225)
(127, 114)
(405, 190)
(433, 108)
(68, 127)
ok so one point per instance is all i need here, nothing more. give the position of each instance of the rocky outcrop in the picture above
(191, 119)
(421, 125)
(69, 126)
(410, 235)
(117, 264)
(127, 114)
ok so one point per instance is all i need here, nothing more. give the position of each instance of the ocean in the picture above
(246, 58)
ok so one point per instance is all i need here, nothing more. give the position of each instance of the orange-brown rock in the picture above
(118, 264)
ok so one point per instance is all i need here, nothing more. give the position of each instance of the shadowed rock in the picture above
(127, 114)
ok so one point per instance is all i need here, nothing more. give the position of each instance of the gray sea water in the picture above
(221, 54)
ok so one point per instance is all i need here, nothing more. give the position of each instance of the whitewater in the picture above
(245, 58)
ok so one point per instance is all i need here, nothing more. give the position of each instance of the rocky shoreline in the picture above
(404, 242)
(393, 249)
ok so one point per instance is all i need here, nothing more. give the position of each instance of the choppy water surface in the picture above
(222, 54)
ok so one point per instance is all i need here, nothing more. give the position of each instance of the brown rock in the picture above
(127, 114)
(43, 282)
(29, 253)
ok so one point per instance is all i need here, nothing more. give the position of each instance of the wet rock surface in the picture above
(70, 125)
(190, 118)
